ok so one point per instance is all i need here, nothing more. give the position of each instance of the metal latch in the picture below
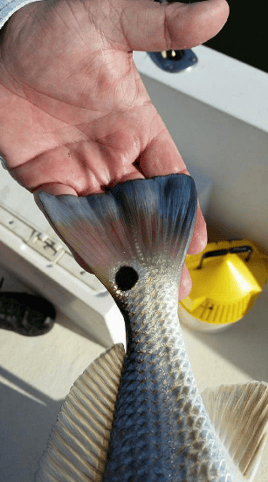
(174, 60)
(46, 246)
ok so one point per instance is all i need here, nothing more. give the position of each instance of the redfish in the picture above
(138, 416)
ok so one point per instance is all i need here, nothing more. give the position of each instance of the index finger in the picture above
(160, 158)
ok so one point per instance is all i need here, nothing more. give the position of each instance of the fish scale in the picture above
(139, 417)
(158, 374)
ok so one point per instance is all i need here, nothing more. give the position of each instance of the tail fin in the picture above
(149, 221)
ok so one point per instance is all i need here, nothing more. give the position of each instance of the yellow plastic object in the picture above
(226, 277)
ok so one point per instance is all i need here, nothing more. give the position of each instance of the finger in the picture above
(56, 189)
(131, 174)
(199, 239)
(160, 158)
(151, 26)
(185, 284)
(63, 170)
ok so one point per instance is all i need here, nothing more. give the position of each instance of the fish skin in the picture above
(161, 430)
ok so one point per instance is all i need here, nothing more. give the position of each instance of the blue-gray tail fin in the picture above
(149, 221)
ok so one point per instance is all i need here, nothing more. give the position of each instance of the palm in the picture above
(82, 104)
(73, 98)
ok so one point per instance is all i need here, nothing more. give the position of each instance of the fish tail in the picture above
(149, 221)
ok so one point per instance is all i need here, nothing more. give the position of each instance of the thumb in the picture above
(153, 26)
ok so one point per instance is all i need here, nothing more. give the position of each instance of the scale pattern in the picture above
(161, 430)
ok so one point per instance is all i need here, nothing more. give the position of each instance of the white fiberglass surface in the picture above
(217, 115)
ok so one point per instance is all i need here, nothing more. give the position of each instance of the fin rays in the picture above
(239, 414)
(78, 445)
(147, 220)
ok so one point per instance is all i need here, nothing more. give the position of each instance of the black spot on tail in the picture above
(126, 277)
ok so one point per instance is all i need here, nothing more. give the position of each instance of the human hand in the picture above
(75, 116)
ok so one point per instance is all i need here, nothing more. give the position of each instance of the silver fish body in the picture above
(161, 430)
(135, 239)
